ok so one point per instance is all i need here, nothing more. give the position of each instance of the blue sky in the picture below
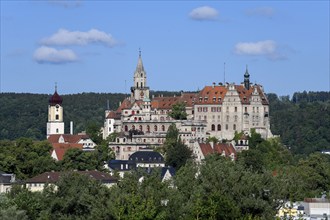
(93, 46)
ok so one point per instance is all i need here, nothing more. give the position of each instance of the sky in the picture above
(93, 46)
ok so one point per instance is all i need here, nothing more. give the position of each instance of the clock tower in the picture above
(139, 90)
(55, 124)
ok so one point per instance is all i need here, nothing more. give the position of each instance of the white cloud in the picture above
(262, 11)
(64, 37)
(267, 48)
(204, 13)
(51, 55)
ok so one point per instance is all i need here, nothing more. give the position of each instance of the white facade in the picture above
(55, 124)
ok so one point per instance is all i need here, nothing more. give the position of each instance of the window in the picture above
(204, 109)
(213, 127)
(155, 128)
(163, 127)
(235, 109)
(234, 127)
(227, 118)
(227, 109)
(140, 128)
(218, 109)
(126, 128)
(56, 117)
(236, 117)
(245, 109)
(205, 117)
(56, 130)
(219, 127)
(133, 127)
(226, 126)
(148, 128)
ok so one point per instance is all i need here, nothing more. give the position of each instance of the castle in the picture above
(215, 111)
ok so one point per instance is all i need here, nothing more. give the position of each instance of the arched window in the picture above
(213, 127)
(56, 130)
(148, 128)
(126, 128)
(155, 128)
(137, 85)
(133, 127)
(141, 74)
(163, 127)
(234, 127)
(141, 84)
(140, 128)
(133, 112)
(219, 127)
(56, 117)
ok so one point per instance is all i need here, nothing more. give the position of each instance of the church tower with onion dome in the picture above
(139, 90)
(55, 124)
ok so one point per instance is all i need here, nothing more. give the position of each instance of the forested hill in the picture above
(303, 122)
(26, 115)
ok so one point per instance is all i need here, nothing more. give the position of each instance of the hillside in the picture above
(303, 122)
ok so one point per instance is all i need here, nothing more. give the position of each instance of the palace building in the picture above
(218, 110)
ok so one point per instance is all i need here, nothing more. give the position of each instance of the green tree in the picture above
(176, 152)
(178, 111)
(76, 159)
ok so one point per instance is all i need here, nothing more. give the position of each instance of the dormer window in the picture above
(214, 99)
(206, 98)
(200, 99)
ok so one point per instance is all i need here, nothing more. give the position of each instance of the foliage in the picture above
(303, 123)
(176, 152)
(212, 139)
(178, 111)
(25, 158)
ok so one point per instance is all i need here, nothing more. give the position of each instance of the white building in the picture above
(55, 124)
(217, 110)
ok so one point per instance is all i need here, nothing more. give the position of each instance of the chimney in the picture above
(213, 84)
(71, 127)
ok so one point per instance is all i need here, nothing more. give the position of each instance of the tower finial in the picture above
(55, 86)
(139, 51)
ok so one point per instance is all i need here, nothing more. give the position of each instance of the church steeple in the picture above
(139, 90)
(55, 124)
(139, 66)
(247, 79)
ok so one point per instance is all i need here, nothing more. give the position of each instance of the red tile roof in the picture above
(211, 95)
(245, 94)
(167, 102)
(53, 177)
(60, 149)
(219, 148)
(114, 115)
(68, 138)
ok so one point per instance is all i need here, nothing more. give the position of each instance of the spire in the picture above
(139, 67)
(246, 72)
(247, 79)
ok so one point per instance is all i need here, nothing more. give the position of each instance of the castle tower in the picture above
(55, 124)
(139, 90)
(247, 79)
